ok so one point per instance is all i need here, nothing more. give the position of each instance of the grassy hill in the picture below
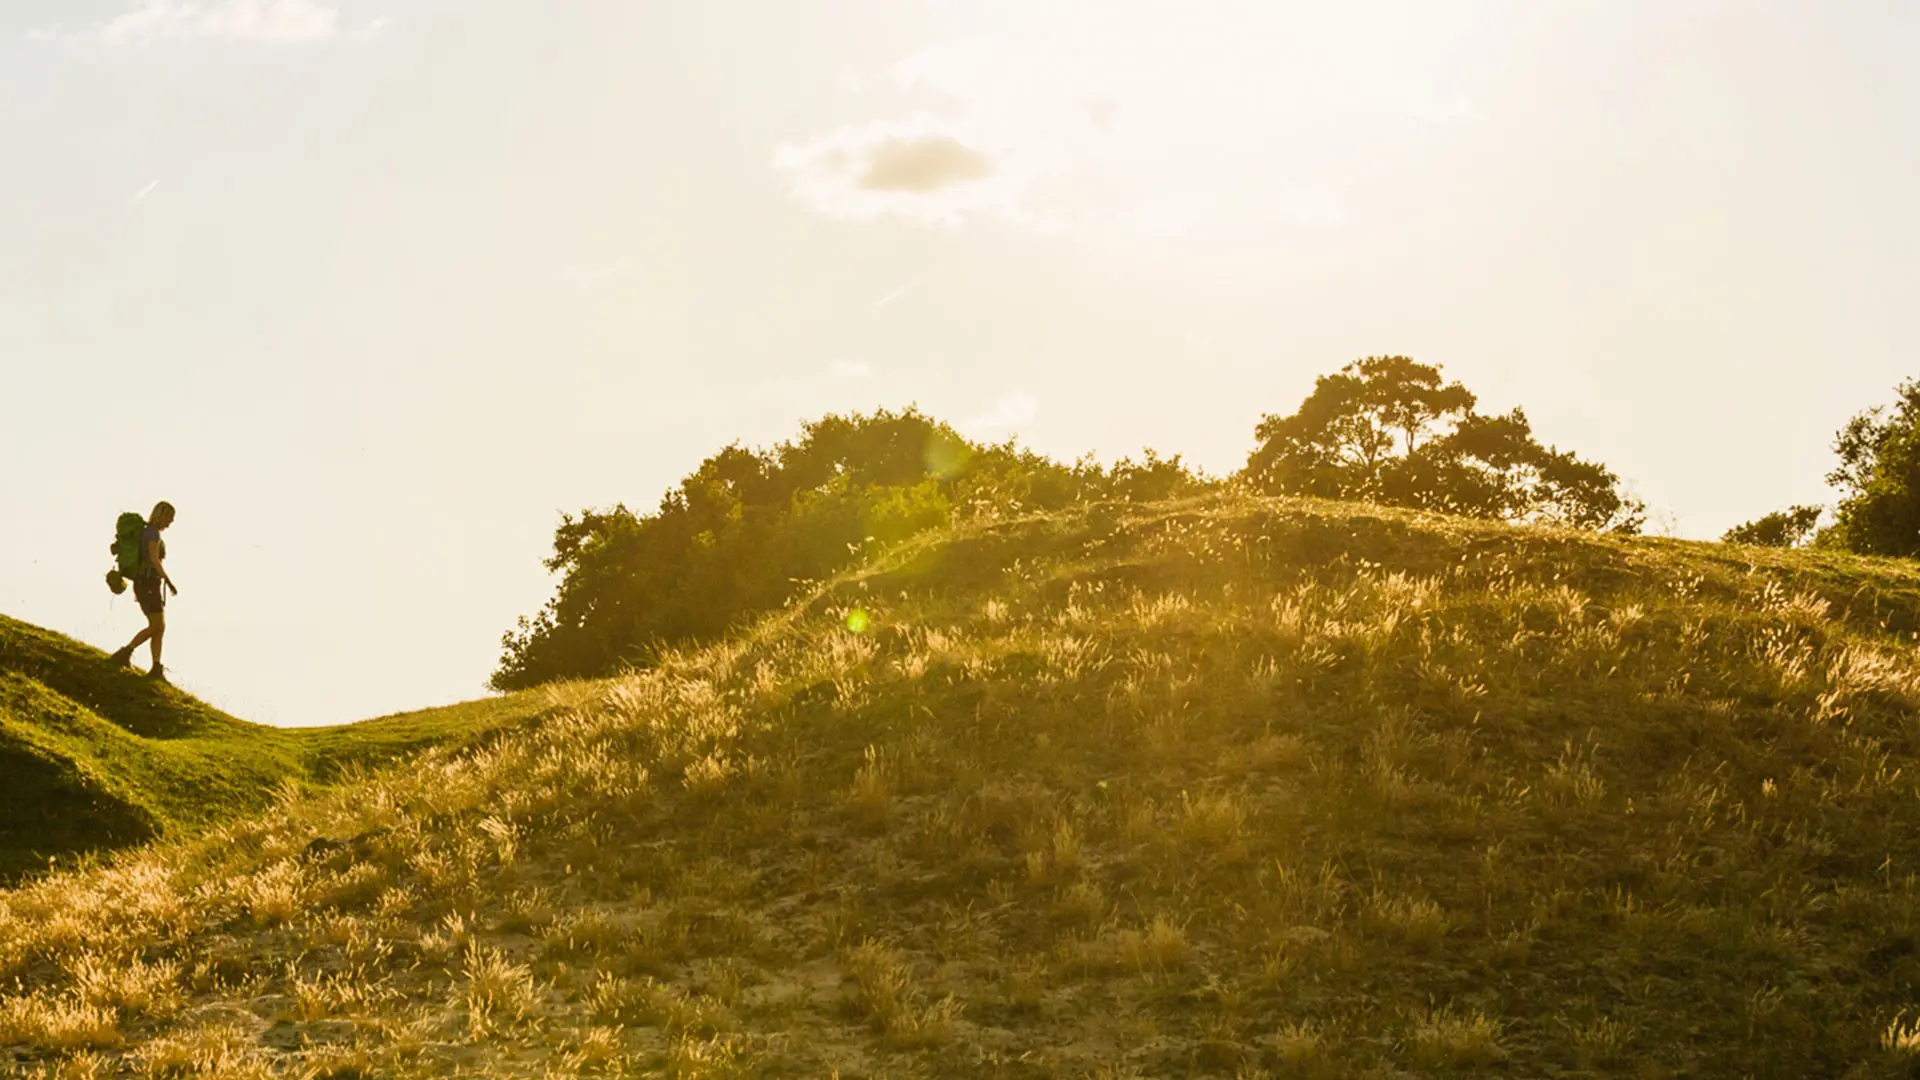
(93, 757)
(1218, 788)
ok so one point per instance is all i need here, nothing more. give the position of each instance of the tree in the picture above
(1390, 430)
(736, 537)
(1343, 441)
(1789, 528)
(1149, 480)
(1879, 479)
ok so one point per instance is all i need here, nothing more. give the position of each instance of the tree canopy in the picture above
(741, 534)
(1387, 429)
(738, 536)
(1792, 527)
(1879, 479)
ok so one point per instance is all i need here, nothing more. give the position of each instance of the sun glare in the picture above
(1159, 118)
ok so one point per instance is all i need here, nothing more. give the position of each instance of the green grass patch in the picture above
(94, 757)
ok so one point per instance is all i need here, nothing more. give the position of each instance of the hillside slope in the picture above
(93, 757)
(1220, 788)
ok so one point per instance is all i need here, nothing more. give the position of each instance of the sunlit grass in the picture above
(1226, 788)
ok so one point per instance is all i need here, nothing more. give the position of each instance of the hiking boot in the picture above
(123, 658)
(159, 675)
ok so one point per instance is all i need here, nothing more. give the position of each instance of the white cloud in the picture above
(925, 170)
(1155, 118)
(850, 370)
(223, 20)
(1014, 408)
(923, 164)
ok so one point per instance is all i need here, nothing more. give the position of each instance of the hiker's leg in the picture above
(139, 639)
(157, 629)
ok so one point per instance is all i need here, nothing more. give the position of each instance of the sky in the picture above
(375, 290)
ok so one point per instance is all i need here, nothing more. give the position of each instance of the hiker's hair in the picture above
(162, 512)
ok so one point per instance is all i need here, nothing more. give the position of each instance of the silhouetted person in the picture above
(149, 588)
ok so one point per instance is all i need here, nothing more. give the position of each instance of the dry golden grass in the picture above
(1230, 788)
(57, 1023)
(1446, 1038)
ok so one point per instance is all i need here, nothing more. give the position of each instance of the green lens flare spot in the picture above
(946, 456)
(857, 621)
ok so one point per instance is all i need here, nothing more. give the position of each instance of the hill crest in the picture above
(1231, 787)
(95, 758)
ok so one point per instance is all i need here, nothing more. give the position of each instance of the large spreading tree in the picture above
(1389, 430)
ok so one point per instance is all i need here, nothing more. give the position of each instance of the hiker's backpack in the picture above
(128, 530)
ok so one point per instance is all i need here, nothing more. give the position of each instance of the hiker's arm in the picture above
(153, 556)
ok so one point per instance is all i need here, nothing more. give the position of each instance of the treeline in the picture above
(737, 537)
(1878, 480)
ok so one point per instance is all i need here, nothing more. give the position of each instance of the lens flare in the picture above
(946, 455)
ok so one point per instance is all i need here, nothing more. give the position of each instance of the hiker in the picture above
(148, 589)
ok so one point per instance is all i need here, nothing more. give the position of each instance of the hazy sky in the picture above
(373, 290)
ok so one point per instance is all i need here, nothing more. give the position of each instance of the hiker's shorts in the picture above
(151, 593)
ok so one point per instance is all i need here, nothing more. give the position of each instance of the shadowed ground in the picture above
(93, 757)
